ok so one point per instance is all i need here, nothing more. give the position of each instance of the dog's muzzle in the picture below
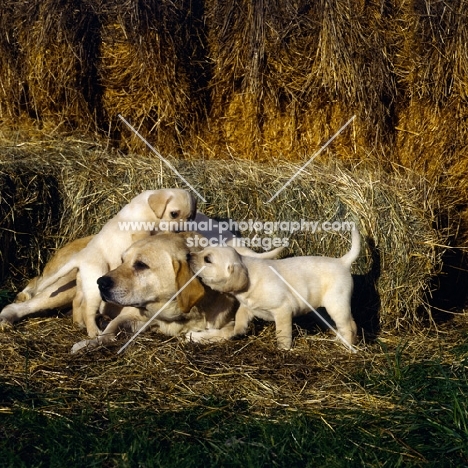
(105, 284)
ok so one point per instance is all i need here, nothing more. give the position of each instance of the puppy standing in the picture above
(259, 287)
(104, 251)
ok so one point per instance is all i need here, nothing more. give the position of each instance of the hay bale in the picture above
(277, 65)
(11, 83)
(148, 70)
(58, 44)
(254, 80)
(395, 212)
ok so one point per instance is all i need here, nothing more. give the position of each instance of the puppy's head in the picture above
(153, 270)
(173, 204)
(223, 269)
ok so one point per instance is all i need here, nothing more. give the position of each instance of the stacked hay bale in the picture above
(58, 47)
(395, 214)
(149, 70)
(431, 65)
(255, 80)
(11, 87)
(286, 74)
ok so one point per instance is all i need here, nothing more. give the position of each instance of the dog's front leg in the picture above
(283, 322)
(243, 317)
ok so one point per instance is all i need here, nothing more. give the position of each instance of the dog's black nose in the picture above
(105, 283)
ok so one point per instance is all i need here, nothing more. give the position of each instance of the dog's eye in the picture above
(174, 214)
(207, 259)
(139, 265)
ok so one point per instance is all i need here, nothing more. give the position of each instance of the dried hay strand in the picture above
(284, 70)
(58, 45)
(149, 70)
(395, 213)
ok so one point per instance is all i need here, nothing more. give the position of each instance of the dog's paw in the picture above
(77, 347)
(23, 296)
(194, 336)
(93, 343)
(9, 315)
(207, 336)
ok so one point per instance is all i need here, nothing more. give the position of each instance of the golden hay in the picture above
(170, 375)
(50, 195)
(251, 80)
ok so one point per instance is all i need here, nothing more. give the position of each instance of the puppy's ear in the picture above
(192, 292)
(158, 202)
(238, 279)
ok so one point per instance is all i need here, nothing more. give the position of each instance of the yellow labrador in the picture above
(154, 271)
(278, 290)
(103, 252)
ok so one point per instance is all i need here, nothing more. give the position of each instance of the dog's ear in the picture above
(136, 236)
(193, 206)
(191, 292)
(158, 202)
(238, 279)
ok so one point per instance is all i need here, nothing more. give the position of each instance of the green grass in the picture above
(427, 426)
(5, 298)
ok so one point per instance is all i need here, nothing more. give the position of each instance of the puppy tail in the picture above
(353, 253)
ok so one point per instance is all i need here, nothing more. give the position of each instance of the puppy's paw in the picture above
(23, 296)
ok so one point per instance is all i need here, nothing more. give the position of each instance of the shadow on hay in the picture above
(30, 210)
(450, 286)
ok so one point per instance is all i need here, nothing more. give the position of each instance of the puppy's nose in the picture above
(188, 257)
(105, 283)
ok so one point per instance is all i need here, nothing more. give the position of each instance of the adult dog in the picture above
(155, 277)
(103, 253)
(278, 290)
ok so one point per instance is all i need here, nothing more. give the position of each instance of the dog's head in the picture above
(173, 204)
(223, 269)
(153, 271)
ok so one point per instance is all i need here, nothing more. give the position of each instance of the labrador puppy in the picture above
(278, 290)
(103, 252)
(155, 273)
